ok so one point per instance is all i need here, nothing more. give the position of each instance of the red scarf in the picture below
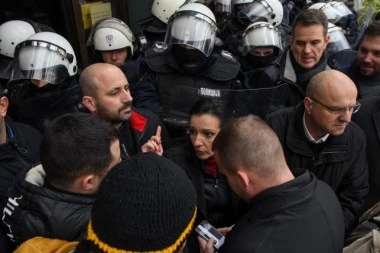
(210, 166)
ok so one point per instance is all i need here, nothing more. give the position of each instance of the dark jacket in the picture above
(302, 215)
(216, 201)
(38, 106)
(286, 73)
(34, 209)
(215, 198)
(368, 118)
(341, 161)
(20, 152)
(135, 132)
(366, 86)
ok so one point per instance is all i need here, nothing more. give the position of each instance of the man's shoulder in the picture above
(46, 245)
(280, 118)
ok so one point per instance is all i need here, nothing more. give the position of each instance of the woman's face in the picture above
(203, 130)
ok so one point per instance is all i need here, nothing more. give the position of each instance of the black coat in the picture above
(341, 162)
(38, 106)
(36, 210)
(285, 73)
(20, 152)
(137, 131)
(368, 118)
(216, 201)
(302, 215)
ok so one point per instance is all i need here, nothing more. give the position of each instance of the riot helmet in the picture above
(338, 41)
(222, 7)
(329, 10)
(163, 9)
(261, 34)
(111, 34)
(270, 11)
(45, 56)
(240, 4)
(192, 25)
(12, 33)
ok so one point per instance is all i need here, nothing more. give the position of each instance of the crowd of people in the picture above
(258, 116)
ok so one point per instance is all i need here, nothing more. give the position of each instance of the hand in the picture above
(154, 144)
(206, 246)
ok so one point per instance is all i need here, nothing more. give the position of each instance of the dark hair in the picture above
(373, 29)
(75, 144)
(214, 106)
(309, 17)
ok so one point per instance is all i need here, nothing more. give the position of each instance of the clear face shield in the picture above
(261, 35)
(338, 41)
(257, 11)
(39, 60)
(222, 7)
(333, 15)
(192, 29)
(341, 8)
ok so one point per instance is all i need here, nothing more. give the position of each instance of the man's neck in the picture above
(3, 132)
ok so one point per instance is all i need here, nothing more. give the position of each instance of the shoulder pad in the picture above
(225, 66)
(157, 60)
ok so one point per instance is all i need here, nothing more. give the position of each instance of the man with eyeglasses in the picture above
(318, 135)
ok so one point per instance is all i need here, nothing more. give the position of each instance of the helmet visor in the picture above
(332, 13)
(342, 9)
(222, 6)
(192, 30)
(257, 11)
(337, 42)
(261, 35)
(41, 61)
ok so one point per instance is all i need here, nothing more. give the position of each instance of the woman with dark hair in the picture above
(216, 202)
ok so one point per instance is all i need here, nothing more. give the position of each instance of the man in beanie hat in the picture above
(144, 204)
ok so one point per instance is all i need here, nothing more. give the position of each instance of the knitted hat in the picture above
(144, 204)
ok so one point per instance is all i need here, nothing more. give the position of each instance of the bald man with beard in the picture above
(318, 135)
(106, 94)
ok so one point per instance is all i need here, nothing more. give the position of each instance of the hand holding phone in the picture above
(207, 231)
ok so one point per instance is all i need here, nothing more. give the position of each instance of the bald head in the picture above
(95, 75)
(329, 103)
(331, 83)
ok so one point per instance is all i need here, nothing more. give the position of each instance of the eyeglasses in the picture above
(340, 110)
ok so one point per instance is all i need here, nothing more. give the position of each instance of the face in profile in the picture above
(203, 130)
(368, 58)
(115, 57)
(308, 44)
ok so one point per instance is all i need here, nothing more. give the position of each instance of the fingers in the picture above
(158, 132)
(206, 246)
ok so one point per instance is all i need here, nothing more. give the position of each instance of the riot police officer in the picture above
(45, 69)
(187, 60)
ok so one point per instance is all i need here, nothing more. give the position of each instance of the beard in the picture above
(114, 117)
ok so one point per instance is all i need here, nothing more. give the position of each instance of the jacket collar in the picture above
(334, 150)
(284, 196)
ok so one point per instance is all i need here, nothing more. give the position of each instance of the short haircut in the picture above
(76, 144)
(249, 142)
(86, 83)
(309, 17)
(212, 106)
(373, 29)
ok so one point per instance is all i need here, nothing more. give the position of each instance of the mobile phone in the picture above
(207, 231)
